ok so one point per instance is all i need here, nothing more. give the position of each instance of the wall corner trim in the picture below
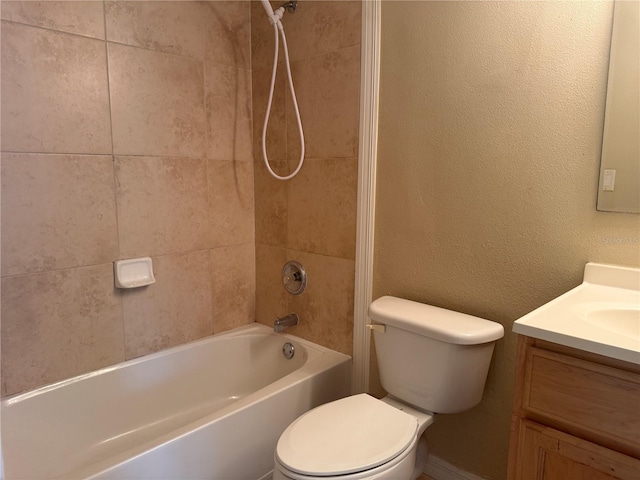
(367, 152)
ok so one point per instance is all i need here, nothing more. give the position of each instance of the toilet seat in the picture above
(345, 437)
(400, 467)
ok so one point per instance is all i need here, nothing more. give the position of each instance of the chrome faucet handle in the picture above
(294, 278)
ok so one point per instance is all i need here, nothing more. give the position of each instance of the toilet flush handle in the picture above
(377, 327)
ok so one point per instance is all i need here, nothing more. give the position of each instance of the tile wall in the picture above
(311, 218)
(126, 131)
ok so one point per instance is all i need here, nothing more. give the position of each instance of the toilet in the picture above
(431, 360)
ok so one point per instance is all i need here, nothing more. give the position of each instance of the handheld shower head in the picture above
(267, 8)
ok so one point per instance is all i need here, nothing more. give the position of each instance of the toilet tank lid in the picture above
(434, 322)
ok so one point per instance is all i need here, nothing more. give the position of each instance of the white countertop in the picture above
(602, 315)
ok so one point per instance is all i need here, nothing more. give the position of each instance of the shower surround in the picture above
(128, 130)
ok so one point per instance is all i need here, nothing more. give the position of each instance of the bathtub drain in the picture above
(288, 351)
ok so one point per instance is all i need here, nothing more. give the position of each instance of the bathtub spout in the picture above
(283, 322)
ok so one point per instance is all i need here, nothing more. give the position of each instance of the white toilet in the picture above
(431, 360)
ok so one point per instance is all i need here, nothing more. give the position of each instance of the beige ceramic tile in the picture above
(174, 310)
(58, 211)
(233, 278)
(271, 297)
(315, 28)
(322, 27)
(271, 204)
(328, 91)
(326, 307)
(54, 92)
(232, 143)
(228, 91)
(227, 33)
(327, 227)
(262, 37)
(57, 325)
(79, 17)
(232, 205)
(228, 105)
(163, 205)
(170, 27)
(157, 103)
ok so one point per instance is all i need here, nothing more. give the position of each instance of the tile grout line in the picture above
(113, 164)
(89, 37)
(207, 160)
(254, 168)
(49, 29)
(113, 156)
(134, 155)
(75, 267)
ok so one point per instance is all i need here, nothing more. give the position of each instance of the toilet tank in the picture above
(432, 358)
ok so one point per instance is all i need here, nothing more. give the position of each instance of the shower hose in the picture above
(277, 26)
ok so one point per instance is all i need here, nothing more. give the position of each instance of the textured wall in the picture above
(490, 132)
(312, 217)
(126, 131)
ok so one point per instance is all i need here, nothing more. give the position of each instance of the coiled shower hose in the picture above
(277, 26)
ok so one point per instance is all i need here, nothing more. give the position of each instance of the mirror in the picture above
(619, 184)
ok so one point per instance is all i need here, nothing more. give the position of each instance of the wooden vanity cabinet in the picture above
(576, 415)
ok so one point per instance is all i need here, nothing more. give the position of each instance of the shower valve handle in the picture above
(294, 278)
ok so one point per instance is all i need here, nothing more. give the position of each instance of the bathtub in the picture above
(210, 409)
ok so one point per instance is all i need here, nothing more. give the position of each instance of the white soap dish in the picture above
(134, 272)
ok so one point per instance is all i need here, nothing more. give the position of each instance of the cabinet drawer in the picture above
(594, 401)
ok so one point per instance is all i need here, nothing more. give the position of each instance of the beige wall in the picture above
(312, 217)
(490, 132)
(133, 142)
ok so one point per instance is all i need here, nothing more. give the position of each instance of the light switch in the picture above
(609, 180)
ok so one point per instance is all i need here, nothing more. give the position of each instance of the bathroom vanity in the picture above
(576, 415)
(576, 411)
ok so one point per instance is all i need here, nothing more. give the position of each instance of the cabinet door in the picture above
(595, 402)
(547, 454)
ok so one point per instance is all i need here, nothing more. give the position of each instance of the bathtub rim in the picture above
(242, 330)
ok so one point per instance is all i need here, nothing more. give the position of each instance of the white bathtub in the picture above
(210, 409)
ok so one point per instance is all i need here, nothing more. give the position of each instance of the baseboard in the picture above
(438, 469)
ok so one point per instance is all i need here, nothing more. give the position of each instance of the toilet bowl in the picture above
(357, 437)
(431, 360)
